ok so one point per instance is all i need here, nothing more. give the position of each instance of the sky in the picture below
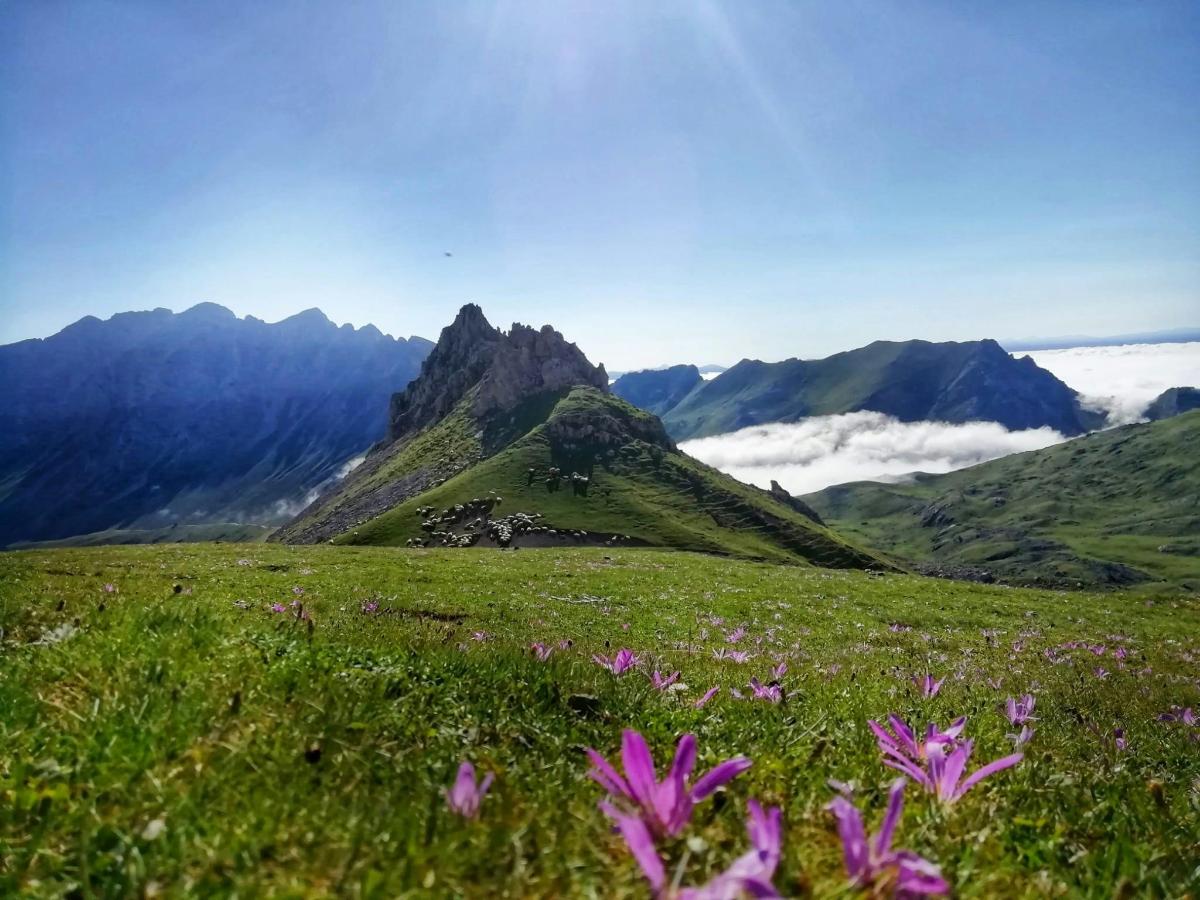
(664, 182)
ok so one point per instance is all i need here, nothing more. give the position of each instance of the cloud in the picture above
(1123, 380)
(824, 450)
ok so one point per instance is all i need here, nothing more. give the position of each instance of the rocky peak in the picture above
(508, 368)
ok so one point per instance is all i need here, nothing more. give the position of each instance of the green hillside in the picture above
(1119, 507)
(639, 490)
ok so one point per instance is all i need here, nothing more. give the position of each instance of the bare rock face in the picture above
(528, 362)
(780, 493)
(508, 368)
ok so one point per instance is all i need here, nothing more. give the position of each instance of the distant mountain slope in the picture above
(1112, 508)
(1173, 402)
(658, 390)
(154, 418)
(911, 380)
(529, 448)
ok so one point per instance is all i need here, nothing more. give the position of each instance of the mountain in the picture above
(160, 422)
(1067, 342)
(513, 439)
(658, 390)
(1112, 508)
(1173, 402)
(911, 380)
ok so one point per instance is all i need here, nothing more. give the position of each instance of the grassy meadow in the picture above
(250, 720)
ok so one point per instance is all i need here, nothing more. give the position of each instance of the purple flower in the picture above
(928, 685)
(945, 772)
(736, 635)
(874, 861)
(110, 588)
(903, 750)
(370, 607)
(1020, 711)
(1101, 672)
(664, 807)
(1179, 714)
(750, 873)
(622, 662)
(770, 692)
(1021, 738)
(780, 670)
(278, 608)
(480, 636)
(541, 651)
(464, 797)
(708, 695)
(660, 683)
(1119, 739)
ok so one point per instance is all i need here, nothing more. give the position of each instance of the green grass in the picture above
(640, 489)
(1083, 513)
(120, 710)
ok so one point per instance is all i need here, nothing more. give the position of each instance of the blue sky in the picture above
(663, 182)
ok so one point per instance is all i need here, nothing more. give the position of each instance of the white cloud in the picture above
(824, 450)
(1123, 380)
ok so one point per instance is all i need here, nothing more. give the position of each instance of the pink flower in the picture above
(945, 772)
(370, 607)
(872, 861)
(750, 874)
(1020, 711)
(736, 635)
(660, 683)
(541, 651)
(464, 797)
(770, 692)
(664, 807)
(480, 636)
(278, 608)
(901, 745)
(110, 588)
(622, 662)
(708, 695)
(929, 686)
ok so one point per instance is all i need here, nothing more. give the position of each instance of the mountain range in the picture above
(513, 439)
(911, 380)
(159, 423)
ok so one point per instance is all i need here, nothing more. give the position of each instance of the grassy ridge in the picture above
(639, 488)
(1094, 511)
(199, 742)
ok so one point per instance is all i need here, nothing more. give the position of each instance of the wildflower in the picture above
(622, 662)
(994, 683)
(739, 656)
(660, 683)
(110, 588)
(624, 626)
(708, 695)
(297, 590)
(900, 744)
(872, 863)
(1101, 672)
(370, 607)
(243, 562)
(1020, 711)
(750, 873)
(480, 636)
(945, 772)
(736, 635)
(770, 692)
(1022, 737)
(780, 670)
(664, 807)
(1119, 739)
(278, 608)
(464, 797)
(1179, 714)
(928, 685)
(541, 651)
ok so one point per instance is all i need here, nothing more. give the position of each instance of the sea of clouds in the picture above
(1123, 380)
(825, 450)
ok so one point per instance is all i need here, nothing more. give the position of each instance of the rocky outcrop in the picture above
(780, 493)
(507, 369)
(528, 362)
